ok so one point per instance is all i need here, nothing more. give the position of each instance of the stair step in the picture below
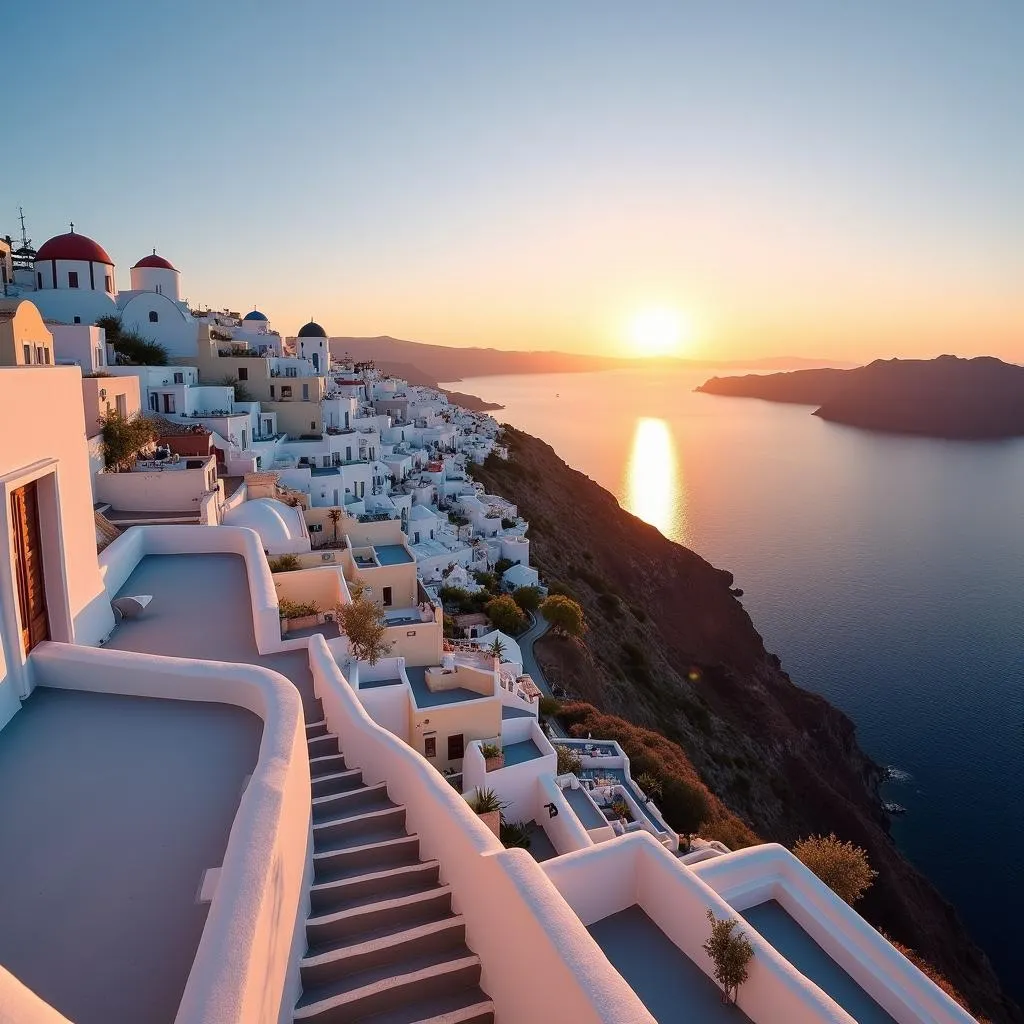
(316, 729)
(345, 891)
(322, 745)
(377, 915)
(466, 1006)
(383, 990)
(349, 801)
(326, 764)
(363, 821)
(337, 782)
(401, 849)
(319, 969)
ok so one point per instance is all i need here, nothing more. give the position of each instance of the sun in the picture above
(659, 332)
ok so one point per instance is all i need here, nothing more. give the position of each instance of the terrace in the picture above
(113, 809)
(776, 925)
(584, 808)
(671, 985)
(519, 753)
(427, 698)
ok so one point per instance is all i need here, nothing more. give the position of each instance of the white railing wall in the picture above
(557, 971)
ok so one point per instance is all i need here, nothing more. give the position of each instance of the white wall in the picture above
(241, 972)
(82, 344)
(43, 425)
(636, 870)
(170, 490)
(175, 328)
(770, 872)
(558, 972)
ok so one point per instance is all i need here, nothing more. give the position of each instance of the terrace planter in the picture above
(492, 819)
(492, 764)
(302, 622)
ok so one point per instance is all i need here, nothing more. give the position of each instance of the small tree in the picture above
(528, 598)
(505, 614)
(843, 867)
(730, 952)
(564, 614)
(335, 517)
(365, 626)
(124, 438)
(649, 784)
(496, 648)
(242, 392)
(568, 761)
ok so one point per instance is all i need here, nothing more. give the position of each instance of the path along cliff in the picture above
(670, 648)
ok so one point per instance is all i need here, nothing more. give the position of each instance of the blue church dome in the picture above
(254, 315)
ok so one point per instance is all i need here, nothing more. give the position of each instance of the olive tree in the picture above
(364, 624)
(730, 952)
(564, 614)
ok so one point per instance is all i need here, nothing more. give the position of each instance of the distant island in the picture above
(946, 397)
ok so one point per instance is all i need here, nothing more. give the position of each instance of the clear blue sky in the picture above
(810, 178)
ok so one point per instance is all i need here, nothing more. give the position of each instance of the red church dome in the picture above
(73, 247)
(156, 262)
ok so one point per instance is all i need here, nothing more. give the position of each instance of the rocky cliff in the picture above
(670, 647)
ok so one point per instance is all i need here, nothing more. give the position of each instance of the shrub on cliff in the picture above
(564, 614)
(505, 615)
(843, 867)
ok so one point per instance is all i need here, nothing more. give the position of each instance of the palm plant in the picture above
(335, 517)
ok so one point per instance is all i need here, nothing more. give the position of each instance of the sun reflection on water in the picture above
(653, 475)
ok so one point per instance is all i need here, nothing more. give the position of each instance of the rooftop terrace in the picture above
(392, 554)
(670, 984)
(517, 753)
(772, 921)
(590, 817)
(113, 808)
(427, 698)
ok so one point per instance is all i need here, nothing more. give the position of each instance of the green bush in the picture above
(288, 609)
(684, 806)
(483, 801)
(569, 761)
(528, 598)
(490, 750)
(487, 580)
(502, 565)
(843, 867)
(506, 615)
(549, 707)
(284, 563)
(515, 834)
(565, 615)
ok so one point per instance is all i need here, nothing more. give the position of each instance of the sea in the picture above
(886, 572)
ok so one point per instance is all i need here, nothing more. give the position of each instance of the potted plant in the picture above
(494, 756)
(621, 809)
(730, 952)
(488, 807)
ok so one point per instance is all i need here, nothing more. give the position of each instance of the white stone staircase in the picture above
(384, 946)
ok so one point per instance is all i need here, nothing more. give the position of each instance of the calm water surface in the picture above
(886, 572)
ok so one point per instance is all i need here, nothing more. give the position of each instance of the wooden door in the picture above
(35, 626)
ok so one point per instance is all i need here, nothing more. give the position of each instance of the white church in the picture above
(73, 282)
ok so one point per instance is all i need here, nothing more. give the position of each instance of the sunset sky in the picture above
(842, 181)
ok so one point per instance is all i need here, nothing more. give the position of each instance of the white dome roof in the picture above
(279, 525)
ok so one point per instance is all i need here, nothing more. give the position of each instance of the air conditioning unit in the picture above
(327, 556)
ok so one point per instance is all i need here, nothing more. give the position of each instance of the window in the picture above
(305, 392)
(72, 278)
(245, 439)
(271, 390)
(28, 354)
(326, 461)
(456, 747)
(154, 402)
(266, 426)
(387, 597)
(99, 356)
(430, 746)
(39, 280)
(168, 403)
(416, 537)
(108, 283)
(46, 356)
(348, 453)
(78, 319)
(159, 289)
(179, 378)
(312, 424)
(243, 373)
(153, 316)
(286, 391)
(122, 405)
(39, 354)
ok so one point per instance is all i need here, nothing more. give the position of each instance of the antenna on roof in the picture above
(25, 241)
(72, 227)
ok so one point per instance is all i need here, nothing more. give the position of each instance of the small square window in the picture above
(243, 373)
(78, 319)
(456, 747)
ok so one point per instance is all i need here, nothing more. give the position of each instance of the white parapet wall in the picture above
(636, 870)
(20, 1005)
(748, 877)
(539, 962)
(243, 972)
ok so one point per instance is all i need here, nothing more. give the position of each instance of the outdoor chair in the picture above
(130, 607)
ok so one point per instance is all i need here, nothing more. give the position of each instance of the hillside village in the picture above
(247, 547)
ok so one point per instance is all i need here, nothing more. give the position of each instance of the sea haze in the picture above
(886, 572)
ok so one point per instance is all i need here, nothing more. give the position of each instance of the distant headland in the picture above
(946, 397)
